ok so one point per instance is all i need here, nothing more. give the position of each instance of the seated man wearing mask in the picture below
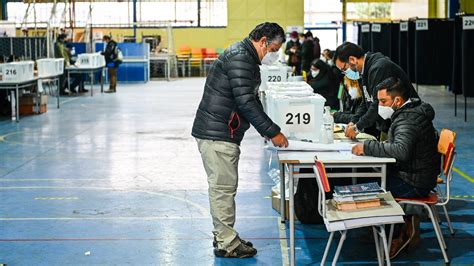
(412, 141)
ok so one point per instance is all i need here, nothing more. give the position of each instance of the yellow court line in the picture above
(461, 173)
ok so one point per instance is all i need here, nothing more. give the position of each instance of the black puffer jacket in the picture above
(230, 99)
(412, 141)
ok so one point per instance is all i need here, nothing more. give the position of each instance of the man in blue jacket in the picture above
(228, 107)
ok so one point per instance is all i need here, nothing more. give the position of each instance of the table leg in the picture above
(282, 193)
(13, 108)
(68, 83)
(92, 83)
(17, 104)
(383, 173)
(292, 215)
(168, 69)
(189, 68)
(57, 91)
(102, 80)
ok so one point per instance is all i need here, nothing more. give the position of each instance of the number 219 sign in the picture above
(298, 118)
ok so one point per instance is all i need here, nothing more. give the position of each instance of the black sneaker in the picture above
(247, 243)
(241, 251)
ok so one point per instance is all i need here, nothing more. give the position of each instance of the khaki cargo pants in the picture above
(221, 159)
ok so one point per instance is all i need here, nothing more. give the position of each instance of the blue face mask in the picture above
(351, 74)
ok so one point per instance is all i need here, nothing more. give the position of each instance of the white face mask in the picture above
(314, 73)
(330, 62)
(270, 58)
(354, 93)
(386, 111)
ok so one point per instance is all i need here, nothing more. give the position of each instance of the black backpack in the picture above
(306, 200)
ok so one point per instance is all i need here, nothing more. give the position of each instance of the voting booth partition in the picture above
(365, 37)
(381, 36)
(433, 51)
(394, 42)
(403, 46)
(456, 75)
(411, 51)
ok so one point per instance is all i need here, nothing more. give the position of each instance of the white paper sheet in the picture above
(296, 145)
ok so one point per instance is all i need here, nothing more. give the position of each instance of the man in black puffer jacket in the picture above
(228, 106)
(412, 141)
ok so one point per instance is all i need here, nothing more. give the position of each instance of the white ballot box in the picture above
(298, 113)
(17, 71)
(91, 60)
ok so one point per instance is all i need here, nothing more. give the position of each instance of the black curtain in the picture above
(359, 34)
(434, 53)
(394, 42)
(381, 40)
(365, 42)
(467, 63)
(456, 80)
(403, 50)
(411, 51)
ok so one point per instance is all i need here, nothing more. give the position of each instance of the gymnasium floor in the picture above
(117, 179)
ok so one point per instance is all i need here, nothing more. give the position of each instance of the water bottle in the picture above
(73, 51)
(328, 123)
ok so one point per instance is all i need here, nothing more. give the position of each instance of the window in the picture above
(180, 13)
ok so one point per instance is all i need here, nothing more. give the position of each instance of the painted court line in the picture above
(145, 218)
(461, 173)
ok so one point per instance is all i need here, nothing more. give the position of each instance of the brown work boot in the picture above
(403, 240)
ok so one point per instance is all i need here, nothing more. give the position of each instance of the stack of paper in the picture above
(388, 212)
(358, 196)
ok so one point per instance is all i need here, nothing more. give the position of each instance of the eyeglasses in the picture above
(345, 69)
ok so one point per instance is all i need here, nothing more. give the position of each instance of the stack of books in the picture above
(355, 197)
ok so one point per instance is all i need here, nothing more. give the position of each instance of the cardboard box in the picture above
(33, 109)
(29, 104)
(276, 205)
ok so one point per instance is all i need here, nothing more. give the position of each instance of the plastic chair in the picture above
(196, 60)
(183, 55)
(429, 204)
(378, 228)
(446, 147)
(210, 55)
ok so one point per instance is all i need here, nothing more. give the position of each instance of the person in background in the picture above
(413, 142)
(324, 83)
(372, 68)
(316, 45)
(228, 107)
(62, 51)
(327, 56)
(351, 99)
(307, 55)
(112, 64)
(293, 50)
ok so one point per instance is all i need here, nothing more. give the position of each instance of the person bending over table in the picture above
(412, 141)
